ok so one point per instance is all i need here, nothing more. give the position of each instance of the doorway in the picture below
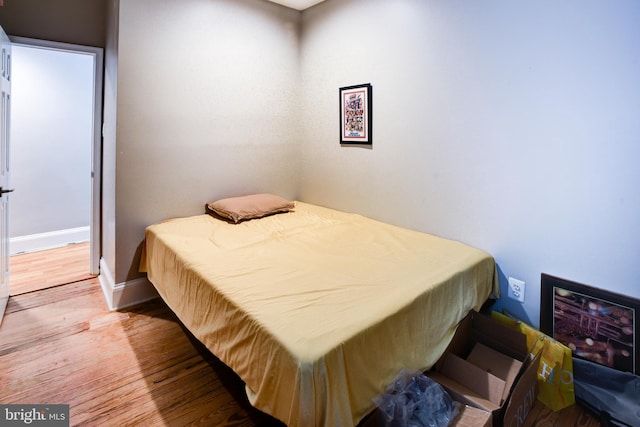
(55, 156)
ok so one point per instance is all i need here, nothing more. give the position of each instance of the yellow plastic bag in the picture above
(555, 374)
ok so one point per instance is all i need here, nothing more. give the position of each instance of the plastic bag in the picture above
(613, 396)
(415, 400)
(555, 373)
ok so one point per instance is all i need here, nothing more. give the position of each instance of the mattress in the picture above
(316, 310)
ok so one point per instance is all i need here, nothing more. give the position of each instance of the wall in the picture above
(511, 126)
(68, 21)
(110, 111)
(51, 129)
(78, 22)
(206, 108)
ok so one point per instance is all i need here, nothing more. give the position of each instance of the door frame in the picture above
(5, 138)
(96, 146)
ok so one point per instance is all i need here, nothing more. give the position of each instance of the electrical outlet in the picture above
(516, 289)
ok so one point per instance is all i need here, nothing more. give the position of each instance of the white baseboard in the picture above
(49, 240)
(125, 294)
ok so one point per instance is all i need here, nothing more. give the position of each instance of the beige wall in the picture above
(512, 126)
(200, 103)
(68, 21)
(108, 196)
(206, 108)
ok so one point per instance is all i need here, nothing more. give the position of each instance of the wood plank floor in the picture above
(132, 367)
(38, 270)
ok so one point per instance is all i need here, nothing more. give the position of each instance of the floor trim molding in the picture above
(124, 294)
(49, 240)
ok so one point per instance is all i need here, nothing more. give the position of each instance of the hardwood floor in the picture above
(38, 270)
(134, 367)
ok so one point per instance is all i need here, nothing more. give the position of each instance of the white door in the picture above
(5, 113)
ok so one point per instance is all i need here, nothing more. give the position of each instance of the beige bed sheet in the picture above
(316, 310)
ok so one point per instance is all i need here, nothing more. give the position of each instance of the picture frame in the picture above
(598, 325)
(355, 114)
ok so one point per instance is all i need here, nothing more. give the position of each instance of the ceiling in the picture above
(295, 4)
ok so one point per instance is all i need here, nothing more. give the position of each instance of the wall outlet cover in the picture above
(516, 289)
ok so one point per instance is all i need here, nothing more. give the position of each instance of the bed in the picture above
(316, 310)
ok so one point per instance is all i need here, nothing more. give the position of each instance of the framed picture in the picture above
(355, 114)
(597, 325)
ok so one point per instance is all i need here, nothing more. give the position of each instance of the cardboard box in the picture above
(487, 366)
(467, 417)
(495, 363)
(471, 417)
(485, 371)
